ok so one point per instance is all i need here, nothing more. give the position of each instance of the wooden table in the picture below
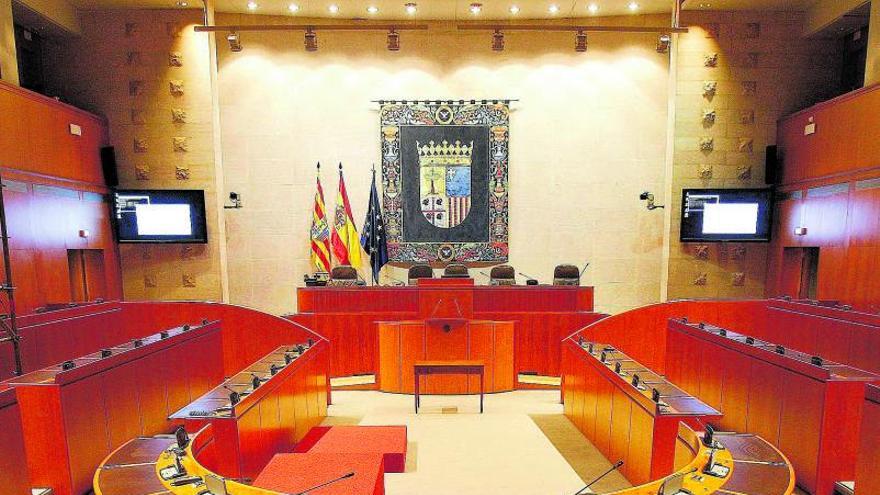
(448, 368)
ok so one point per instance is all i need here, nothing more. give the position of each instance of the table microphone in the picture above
(615, 467)
(343, 477)
(529, 279)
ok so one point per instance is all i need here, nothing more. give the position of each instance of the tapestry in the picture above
(444, 178)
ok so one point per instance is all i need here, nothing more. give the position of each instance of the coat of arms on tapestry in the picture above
(444, 178)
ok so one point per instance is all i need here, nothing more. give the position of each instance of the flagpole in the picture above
(373, 233)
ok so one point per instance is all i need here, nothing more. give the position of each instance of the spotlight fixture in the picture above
(633, 6)
(410, 8)
(475, 8)
(293, 8)
(514, 9)
(593, 8)
(234, 41)
(372, 9)
(580, 42)
(311, 40)
(181, 3)
(498, 41)
(663, 43)
(333, 8)
(252, 5)
(553, 9)
(393, 41)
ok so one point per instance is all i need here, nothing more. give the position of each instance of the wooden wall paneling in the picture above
(735, 390)
(576, 382)
(301, 407)
(639, 458)
(153, 395)
(591, 400)
(287, 412)
(864, 351)
(481, 347)
(48, 466)
(766, 387)
(122, 400)
(711, 375)
(442, 344)
(13, 469)
(412, 344)
(270, 426)
(621, 413)
(253, 456)
(389, 356)
(800, 426)
(839, 444)
(85, 425)
(504, 376)
(604, 393)
(867, 480)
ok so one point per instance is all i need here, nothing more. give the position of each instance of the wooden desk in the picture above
(425, 368)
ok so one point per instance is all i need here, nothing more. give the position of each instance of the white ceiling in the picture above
(453, 9)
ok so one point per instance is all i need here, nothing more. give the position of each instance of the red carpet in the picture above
(390, 441)
(293, 473)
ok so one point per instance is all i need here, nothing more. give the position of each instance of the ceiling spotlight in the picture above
(234, 41)
(410, 8)
(580, 42)
(393, 41)
(514, 9)
(181, 3)
(475, 8)
(252, 5)
(311, 41)
(333, 8)
(593, 8)
(293, 8)
(498, 41)
(663, 43)
(372, 9)
(633, 6)
(553, 8)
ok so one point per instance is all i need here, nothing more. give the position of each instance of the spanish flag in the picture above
(345, 240)
(320, 233)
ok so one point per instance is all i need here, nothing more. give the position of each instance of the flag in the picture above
(345, 243)
(373, 236)
(320, 233)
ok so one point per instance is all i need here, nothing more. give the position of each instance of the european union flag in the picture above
(373, 234)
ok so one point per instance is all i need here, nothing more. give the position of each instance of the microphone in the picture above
(585, 269)
(530, 280)
(343, 477)
(397, 282)
(615, 467)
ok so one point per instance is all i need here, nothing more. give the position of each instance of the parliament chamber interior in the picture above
(417, 247)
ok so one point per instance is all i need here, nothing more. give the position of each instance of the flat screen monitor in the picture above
(160, 216)
(716, 215)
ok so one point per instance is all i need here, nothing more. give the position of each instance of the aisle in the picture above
(466, 453)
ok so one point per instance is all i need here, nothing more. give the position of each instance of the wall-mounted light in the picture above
(580, 42)
(553, 9)
(234, 40)
(372, 10)
(498, 41)
(311, 40)
(475, 8)
(293, 8)
(252, 5)
(393, 41)
(663, 43)
(410, 8)
(633, 6)
(514, 9)
(593, 8)
(333, 8)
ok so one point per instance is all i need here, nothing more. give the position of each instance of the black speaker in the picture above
(108, 165)
(772, 173)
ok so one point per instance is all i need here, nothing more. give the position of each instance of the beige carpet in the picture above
(521, 445)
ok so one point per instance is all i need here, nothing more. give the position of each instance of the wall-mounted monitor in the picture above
(160, 216)
(717, 215)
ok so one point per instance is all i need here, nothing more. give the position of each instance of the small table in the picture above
(424, 368)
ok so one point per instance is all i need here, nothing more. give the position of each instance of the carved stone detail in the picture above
(747, 117)
(701, 279)
(140, 145)
(710, 60)
(178, 115)
(175, 59)
(710, 88)
(705, 170)
(131, 29)
(709, 116)
(142, 172)
(738, 253)
(752, 59)
(133, 58)
(738, 279)
(746, 145)
(707, 144)
(181, 172)
(188, 280)
(138, 116)
(180, 144)
(175, 86)
(701, 252)
(749, 88)
(744, 172)
(149, 281)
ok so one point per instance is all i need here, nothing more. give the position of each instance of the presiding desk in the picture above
(426, 368)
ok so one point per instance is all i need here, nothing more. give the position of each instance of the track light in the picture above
(311, 40)
(498, 41)
(410, 8)
(393, 41)
(663, 43)
(234, 41)
(580, 42)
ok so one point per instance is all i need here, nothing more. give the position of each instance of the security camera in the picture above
(235, 199)
(649, 197)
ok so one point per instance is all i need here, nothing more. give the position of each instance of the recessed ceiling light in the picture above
(181, 3)
(293, 7)
(553, 8)
(633, 6)
(410, 8)
(593, 8)
(252, 5)
(333, 8)
(514, 9)
(475, 8)
(372, 9)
